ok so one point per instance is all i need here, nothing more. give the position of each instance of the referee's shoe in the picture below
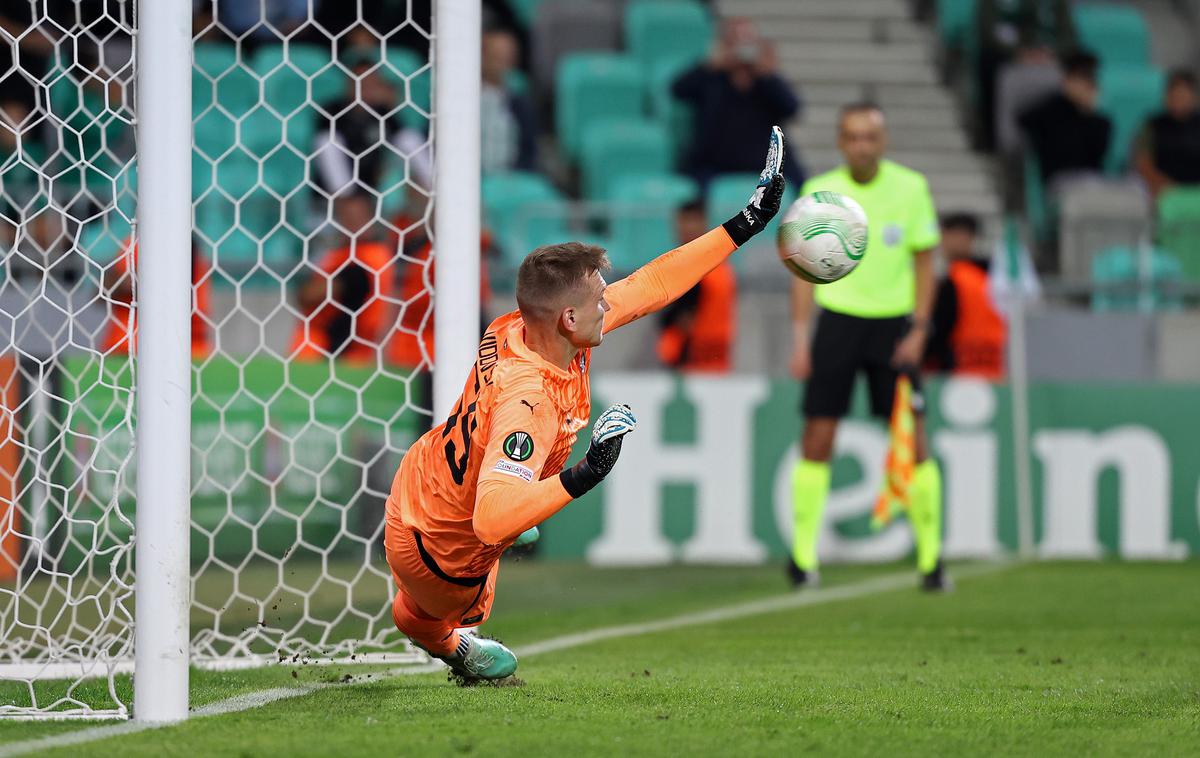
(800, 578)
(936, 580)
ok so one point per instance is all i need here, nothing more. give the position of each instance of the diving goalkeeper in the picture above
(468, 488)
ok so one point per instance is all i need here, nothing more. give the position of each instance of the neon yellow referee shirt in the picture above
(900, 221)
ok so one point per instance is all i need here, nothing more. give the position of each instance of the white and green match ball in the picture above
(823, 236)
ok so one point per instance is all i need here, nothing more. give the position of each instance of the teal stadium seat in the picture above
(216, 69)
(643, 224)
(956, 22)
(667, 109)
(613, 149)
(1119, 265)
(523, 210)
(525, 10)
(729, 193)
(1179, 227)
(1115, 33)
(592, 88)
(414, 80)
(657, 30)
(299, 76)
(1129, 94)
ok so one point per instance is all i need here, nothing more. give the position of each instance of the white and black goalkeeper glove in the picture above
(767, 197)
(602, 454)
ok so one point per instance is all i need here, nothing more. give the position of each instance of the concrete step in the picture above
(944, 137)
(807, 53)
(932, 117)
(926, 161)
(981, 205)
(859, 72)
(762, 10)
(844, 30)
(817, 92)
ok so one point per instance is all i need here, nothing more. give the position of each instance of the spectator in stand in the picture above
(363, 133)
(968, 332)
(698, 329)
(345, 301)
(411, 342)
(1168, 147)
(1068, 136)
(120, 334)
(736, 96)
(507, 120)
(1025, 31)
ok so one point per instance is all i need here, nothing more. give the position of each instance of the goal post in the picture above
(224, 334)
(164, 373)
(457, 228)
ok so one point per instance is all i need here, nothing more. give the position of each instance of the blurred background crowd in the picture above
(1063, 136)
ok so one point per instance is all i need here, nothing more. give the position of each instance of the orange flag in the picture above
(901, 458)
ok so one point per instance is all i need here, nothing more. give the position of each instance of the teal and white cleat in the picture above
(479, 658)
(527, 537)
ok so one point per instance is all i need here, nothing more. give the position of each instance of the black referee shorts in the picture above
(841, 348)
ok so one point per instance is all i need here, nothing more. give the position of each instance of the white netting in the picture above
(311, 268)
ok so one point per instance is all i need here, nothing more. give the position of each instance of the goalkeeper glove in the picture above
(767, 197)
(607, 434)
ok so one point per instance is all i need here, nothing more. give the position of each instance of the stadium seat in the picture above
(1118, 265)
(563, 27)
(668, 110)
(1129, 94)
(525, 10)
(594, 87)
(657, 30)
(1179, 227)
(1019, 86)
(643, 220)
(217, 69)
(1117, 34)
(956, 22)
(288, 74)
(413, 80)
(729, 193)
(523, 210)
(1093, 214)
(613, 149)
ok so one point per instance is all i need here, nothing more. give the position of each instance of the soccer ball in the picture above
(823, 236)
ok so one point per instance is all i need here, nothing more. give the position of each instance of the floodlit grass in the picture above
(1086, 658)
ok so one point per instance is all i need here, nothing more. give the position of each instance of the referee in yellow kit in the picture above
(875, 321)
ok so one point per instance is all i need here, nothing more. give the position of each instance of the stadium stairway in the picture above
(838, 51)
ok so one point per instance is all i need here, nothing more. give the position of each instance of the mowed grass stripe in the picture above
(249, 701)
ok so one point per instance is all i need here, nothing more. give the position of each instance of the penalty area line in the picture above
(773, 604)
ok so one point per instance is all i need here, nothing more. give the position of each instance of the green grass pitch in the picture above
(1041, 659)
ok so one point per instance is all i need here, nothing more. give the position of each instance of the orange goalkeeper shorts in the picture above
(457, 601)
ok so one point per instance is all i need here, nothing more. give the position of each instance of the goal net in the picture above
(310, 335)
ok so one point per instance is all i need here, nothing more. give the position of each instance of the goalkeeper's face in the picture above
(585, 317)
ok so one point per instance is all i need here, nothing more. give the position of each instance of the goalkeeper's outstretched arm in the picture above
(670, 275)
(518, 498)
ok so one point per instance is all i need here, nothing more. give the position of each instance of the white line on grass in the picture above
(773, 604)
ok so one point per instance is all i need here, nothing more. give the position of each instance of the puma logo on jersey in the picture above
(529, 405)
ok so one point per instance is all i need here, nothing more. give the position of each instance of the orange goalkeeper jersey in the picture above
(471, 485)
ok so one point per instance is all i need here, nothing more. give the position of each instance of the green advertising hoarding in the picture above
(706, 477)
(280, 451)
(307, 450)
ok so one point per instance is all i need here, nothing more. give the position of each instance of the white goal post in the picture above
(211, 359)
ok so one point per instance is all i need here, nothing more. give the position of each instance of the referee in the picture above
(874, 322)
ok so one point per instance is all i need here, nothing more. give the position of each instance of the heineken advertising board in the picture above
(706, 477)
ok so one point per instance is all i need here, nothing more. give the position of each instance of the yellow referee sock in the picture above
(925, 513)
(810, 488)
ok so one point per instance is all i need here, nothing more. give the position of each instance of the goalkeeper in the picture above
(468, 488)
